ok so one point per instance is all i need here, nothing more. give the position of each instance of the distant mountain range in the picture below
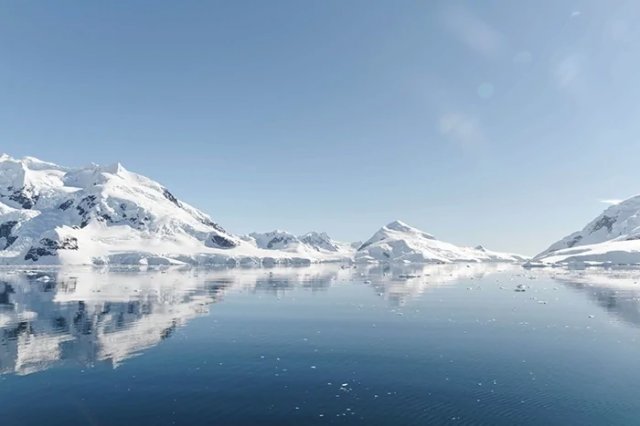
(50, 214)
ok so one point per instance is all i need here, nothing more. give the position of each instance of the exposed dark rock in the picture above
(364, 246)
(49, 247)
(274, 241)
(213, 225)
(169, 196)
(223, 242)
(5, 232)
(575, 241)
(604, 221)
(22, 197)
(86, 204)
(84, 207)
(65, 205)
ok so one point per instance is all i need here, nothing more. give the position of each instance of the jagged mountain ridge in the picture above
(309, 242)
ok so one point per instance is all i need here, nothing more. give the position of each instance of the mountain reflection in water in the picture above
(86, 316)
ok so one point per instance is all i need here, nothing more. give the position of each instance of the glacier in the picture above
(107, 215)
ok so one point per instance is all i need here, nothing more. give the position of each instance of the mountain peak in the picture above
(397, 224)
(115, 169)
(316, 234)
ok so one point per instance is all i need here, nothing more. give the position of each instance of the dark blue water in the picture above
(449, 346)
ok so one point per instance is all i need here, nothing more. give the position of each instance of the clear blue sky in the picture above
(502, 123)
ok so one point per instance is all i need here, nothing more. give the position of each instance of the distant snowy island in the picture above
(107, 215)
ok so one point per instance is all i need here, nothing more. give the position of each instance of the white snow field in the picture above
(98, 215)
(611, 238)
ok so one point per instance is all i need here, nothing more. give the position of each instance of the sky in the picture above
(502, 123)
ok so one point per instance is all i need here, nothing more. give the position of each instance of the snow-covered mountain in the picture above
(321, 241)
(309, 243)
(91, 215)
(398, 241)
(56, 215)
(613, 236)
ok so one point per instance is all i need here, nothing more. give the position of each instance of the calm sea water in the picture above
(316, 346)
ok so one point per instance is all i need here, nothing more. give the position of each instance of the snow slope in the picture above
(399, 242)
(613, 236)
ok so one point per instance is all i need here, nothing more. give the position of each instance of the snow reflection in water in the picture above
(376, 346)
(87, 316)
